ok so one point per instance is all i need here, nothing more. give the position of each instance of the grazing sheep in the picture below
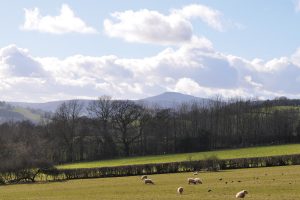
(194, 181)
(195, 173)
(220, 179)
(197, 180)
(191, 180)
(241, 194)
(209, 190)
(148, 181)
(180, 190)
(144, 177)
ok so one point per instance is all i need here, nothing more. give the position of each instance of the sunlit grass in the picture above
(276, 183)
(223, 154)
(27, 113)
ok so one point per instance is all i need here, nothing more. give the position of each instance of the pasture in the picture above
(275, 183)
(221, 154)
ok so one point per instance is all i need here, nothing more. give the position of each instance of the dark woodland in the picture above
(108, 129)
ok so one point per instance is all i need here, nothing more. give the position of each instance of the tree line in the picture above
(109, 128)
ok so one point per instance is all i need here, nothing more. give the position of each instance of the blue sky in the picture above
(52, 50)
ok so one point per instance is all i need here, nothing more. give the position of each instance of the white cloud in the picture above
(249, 80)
(187, 85)
(189, 64)
(295, 58)
(211, 17)
(297, 5)
(17, 62)
(190, 69)
(65, 22)
(148, 26)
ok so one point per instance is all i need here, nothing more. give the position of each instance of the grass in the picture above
(222, 154)
(276, 183)
(286, 107)
(28, 114)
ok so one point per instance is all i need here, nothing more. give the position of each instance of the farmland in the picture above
(222, 154)
(276, 183)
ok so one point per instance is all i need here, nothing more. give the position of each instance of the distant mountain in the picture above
(164, 100)
(18, 111)
(173, 99)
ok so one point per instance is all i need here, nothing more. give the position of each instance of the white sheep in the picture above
(191, 180)
(194, 181)
(148, 181)
(180, 190)
(144, 177)
(195, 173)
(197, 180)
(241, 194)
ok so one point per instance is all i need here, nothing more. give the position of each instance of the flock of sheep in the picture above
(195, 181)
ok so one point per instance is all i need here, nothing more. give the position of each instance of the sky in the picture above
(129, 49)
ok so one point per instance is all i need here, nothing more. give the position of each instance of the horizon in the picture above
(207, 98)
(62, 50)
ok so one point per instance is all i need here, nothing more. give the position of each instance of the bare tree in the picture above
(101, 111)
(66, 120)
(126, 121)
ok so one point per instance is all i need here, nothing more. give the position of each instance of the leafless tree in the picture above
(126, 122)
(101, 111)
(66, 120)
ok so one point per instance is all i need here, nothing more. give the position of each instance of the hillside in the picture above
(221, 154)
(164, 100)
(16, 113)
(33, 111)
(50, 106)
(173, 99)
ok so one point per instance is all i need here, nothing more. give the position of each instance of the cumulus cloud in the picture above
(211, 17)
(189, 69)
(65, 22)
(297, 5)
(276, 76)
(190, 86)
(295, 58)
(148, 26)
(249, 80)
(189, 64)
(17, 62)
(187, 85)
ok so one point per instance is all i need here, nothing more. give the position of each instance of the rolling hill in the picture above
(164, 100)
(172, 99)
(17, 113)
(27, 110)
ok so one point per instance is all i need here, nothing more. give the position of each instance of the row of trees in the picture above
(107, 129)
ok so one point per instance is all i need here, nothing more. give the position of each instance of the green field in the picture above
(28, 114)
(224, 154)
(276, 183)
